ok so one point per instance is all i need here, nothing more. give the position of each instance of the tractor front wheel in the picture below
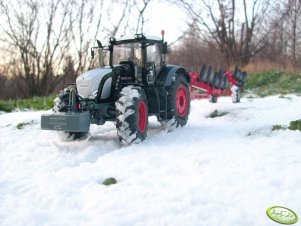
(131, 115)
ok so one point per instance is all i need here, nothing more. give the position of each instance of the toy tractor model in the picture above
(136, 84)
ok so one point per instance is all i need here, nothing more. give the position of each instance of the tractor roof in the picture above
(135, 39)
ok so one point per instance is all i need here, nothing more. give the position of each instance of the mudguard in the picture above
(168, 73)
(105, 87)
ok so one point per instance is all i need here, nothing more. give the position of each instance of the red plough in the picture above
(211, 85)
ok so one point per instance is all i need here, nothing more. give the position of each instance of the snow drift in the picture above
(215, 171)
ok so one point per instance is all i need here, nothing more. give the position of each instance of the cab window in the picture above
(153, 54)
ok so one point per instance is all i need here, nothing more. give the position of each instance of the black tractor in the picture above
(135, 83)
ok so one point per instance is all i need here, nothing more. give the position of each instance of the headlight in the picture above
(139, 36)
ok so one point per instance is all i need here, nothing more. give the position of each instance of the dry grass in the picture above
(259, 66)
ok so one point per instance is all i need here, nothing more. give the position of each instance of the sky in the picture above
(159, 15)
(163, 16)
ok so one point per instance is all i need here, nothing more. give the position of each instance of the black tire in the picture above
(178, 103)
(131, 115)
(61, 103)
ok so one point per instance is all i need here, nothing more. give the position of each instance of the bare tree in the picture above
(237, 37)
(191, 52)
(41, 38)
(82, 18)
(141, 10)
(294, 22)
(39, 53)
(285, 38)
(122, 17)
(88, 20)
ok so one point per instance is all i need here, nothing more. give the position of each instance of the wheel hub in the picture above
(182, 101)
(142, 116)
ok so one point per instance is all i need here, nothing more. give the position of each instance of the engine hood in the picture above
(87, 83)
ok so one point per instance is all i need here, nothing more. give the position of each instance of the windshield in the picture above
(129, 51)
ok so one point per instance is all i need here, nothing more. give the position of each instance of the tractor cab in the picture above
(141, 58)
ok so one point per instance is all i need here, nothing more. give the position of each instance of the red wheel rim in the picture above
(142, 116)
(182, 101)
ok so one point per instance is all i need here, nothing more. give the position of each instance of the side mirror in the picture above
(92, 53)
(99, 44)
(164, 48)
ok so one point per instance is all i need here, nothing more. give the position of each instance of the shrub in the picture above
(295, 125)
(35, 103)
(109, 181)
(6, 106)
(23, 124)
(278, 127)
(272, 83)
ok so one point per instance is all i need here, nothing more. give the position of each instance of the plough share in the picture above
(211, 85)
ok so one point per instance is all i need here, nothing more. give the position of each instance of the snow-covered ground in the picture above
(215, 171)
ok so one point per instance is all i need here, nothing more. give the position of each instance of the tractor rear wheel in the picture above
(178, 103)
(131, 115)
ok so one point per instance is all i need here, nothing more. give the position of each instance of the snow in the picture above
(215, 171)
